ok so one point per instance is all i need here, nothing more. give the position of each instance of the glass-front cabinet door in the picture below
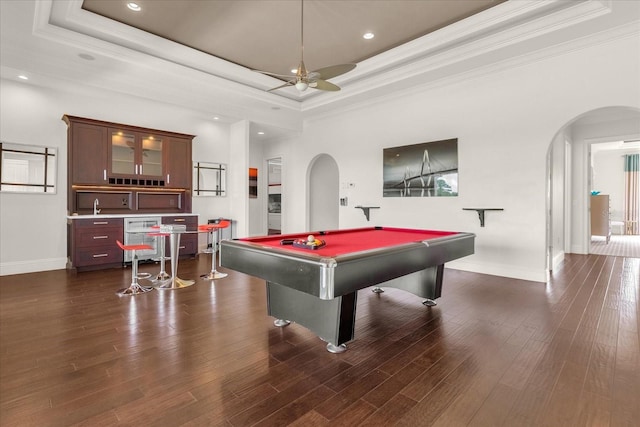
(135, 154)
(123, 153)
(151, 161)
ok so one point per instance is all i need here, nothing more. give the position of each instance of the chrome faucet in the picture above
(96, 211)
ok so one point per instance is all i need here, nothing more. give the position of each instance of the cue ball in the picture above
(310, 238)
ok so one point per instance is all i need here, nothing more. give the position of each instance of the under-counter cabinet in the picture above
(92, 243)
(188, 241)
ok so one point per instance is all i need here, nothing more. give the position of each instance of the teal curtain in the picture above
(631, 163)
(632, 193)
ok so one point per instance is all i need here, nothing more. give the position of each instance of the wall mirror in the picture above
(209, 179)
(27, 168)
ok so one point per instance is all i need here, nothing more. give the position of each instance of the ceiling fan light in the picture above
(302, 86)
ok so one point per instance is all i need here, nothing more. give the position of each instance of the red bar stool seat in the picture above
(160, 241)
(134, 288)
(214, 229)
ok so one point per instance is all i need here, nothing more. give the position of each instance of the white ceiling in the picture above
(50, 42)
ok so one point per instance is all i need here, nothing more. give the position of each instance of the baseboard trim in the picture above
(500, 270)
(557, 260)
(32, 266)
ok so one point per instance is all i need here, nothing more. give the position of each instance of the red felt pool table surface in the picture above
(342, 242)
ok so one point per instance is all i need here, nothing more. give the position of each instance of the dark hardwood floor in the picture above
(493, 352)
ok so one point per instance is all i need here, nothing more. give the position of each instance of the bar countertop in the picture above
(145, 215)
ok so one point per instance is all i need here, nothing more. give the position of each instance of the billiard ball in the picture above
(311, 238)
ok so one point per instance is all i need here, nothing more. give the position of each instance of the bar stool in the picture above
(134, 288)
(160, 241)
(214, 229)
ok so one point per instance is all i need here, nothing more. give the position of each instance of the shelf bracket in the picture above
(481, 212)
(365, 210)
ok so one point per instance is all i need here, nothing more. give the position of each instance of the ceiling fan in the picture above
(303, 78)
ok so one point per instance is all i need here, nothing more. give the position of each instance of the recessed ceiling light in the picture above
(368, 36)
(134, 6)
(23, 77)
(260, 133)
(216, 118)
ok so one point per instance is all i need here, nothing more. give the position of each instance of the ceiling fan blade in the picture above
(282, 76)
(291, 83)
(324, 85)
(335, 70)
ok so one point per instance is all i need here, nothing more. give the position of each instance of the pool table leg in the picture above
(332, 320)
(425, 283)
(336, 348)
(281, 323)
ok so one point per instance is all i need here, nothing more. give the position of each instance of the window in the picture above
(27, 169)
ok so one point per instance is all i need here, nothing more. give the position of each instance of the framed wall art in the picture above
(253, 183)
(428, 169)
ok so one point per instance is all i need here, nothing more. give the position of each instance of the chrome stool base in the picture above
(214, 275)
(134, 289)
(162, 276)
(174, 283)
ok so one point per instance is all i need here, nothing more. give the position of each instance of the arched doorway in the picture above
(569, 175)
(324, 188)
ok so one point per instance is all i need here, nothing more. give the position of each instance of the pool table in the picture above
(317, 286)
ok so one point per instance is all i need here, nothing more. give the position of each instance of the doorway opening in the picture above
(615, 198)
(274, 200)
(324, 193)
(569, 177)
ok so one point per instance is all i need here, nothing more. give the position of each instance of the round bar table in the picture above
(174, 231)
(174, 282)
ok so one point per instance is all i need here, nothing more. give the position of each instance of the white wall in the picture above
(258, 206)
(210, 145)
(238, 177)
(504, 120)
(33, 227)
(556, 201)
